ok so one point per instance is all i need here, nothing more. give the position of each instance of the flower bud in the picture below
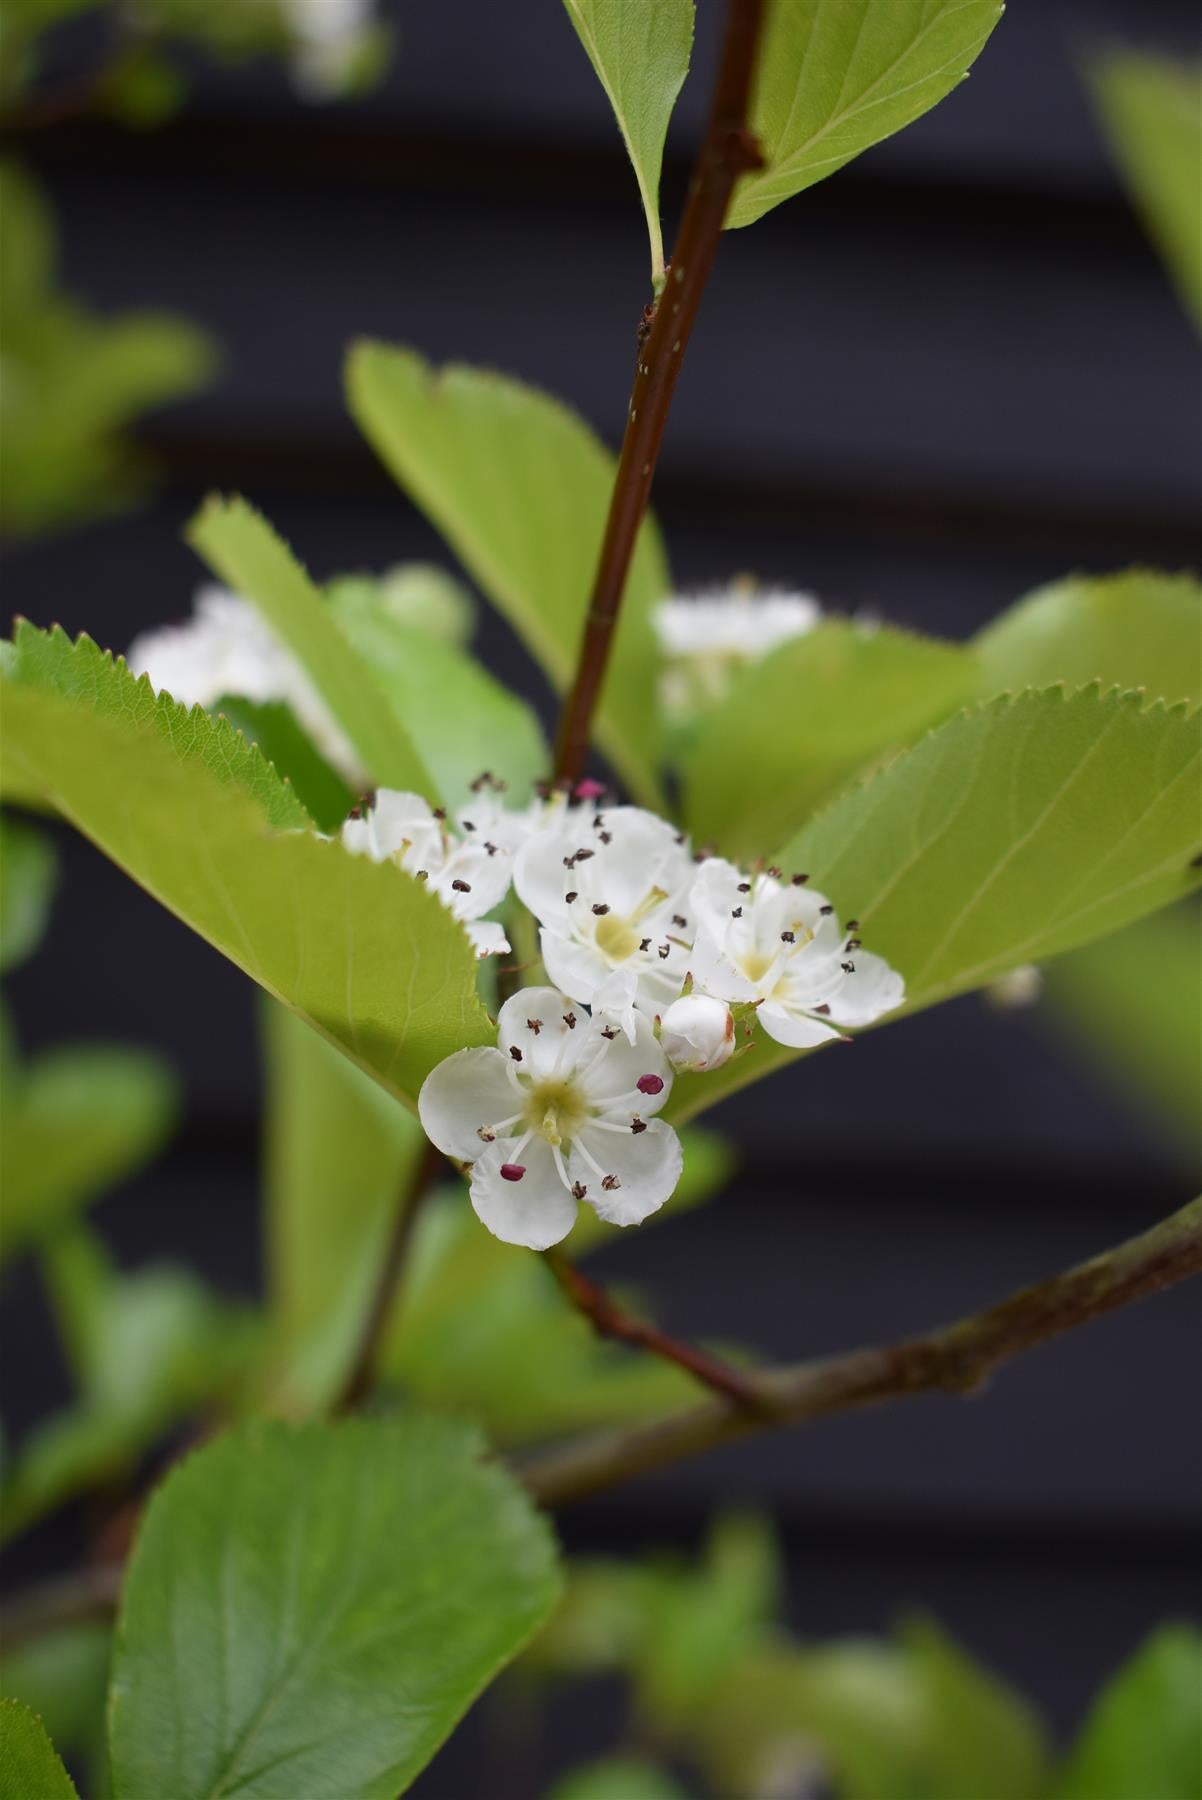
(697, 1033)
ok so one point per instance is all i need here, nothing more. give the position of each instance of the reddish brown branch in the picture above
(727, 152)
(609, 1320)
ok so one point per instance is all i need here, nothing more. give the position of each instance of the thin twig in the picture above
(362, 1371)
(609, 1320)
(956, 1358)
(727, 152)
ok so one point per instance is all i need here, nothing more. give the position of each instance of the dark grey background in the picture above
(951, 372)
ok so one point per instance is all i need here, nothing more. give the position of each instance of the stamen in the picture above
(664, 952)
(800, 880)
(468, 825)
(462, 887)
(737, 912)
(534, 1025)
(788, 937)
(682, 922)
(515, 1053)
(485, 1135)
(644, 943)
(569, 1020)
(512, 1171)
(848, 968)
(744, 887)
(560, 1170)
(422, 875)
(824, 1009)
(610, 1183)
(609, 1031)
(491, 848)
(650, 1084)
(573, 895)
(637, 1125)
(583, 855)
(440, 812)
(607, 837)
(601, 909)
(826, 911)
(853, 924)
(579, 1191)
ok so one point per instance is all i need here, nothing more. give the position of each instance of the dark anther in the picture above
(610, 1183)
(853, 924)
(787, 937)
(677, 920)
(485, 1134)
(600, 910)
(744, 887)
(569, 1020)
(573, 895)
(610, 1032)
(356, 812)
(512, 1171)
(664, 952)
(440, 812)
(800, 880)
(826, 911)
(644, 943)
(774, 872)
(607, 837)
(583, 855)
(534, 1025)
(650, 1084)
(515, 1053)
(468, 826)
(848, 968)
(680, 837)
(491, 848)
(579, 1190)
(852, 944)
(462, 887)
(637, 1125)
(736, 912)
(598, 821)
(824, 1009)
(569, 862)
(422, 875)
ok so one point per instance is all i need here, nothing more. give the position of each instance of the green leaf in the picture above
(834, 79)
(640, 51)
(340, 1153)
(799, 723)
(464, 720)
(243, 551)
(984, 1738)
(618, 1778)
(30, 1768)
(1138, 629)
(80, 671)
(1151, 108)
(1011, 834)
(1144, 1732)
(520, 487)
(421, 596)
(359, 949)
(28, 876)
(311, 1611)
(272, 725)
(73, 1124)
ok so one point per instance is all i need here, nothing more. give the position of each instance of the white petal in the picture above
(466, 1090)
(874, 988)
(611, 1076)
(714, 896)
(616, 999)
(647, 1167)
(485, 879)
(555, 1047)
(488, 937)
(579, 969)
(539, 877)
(796, 1029)
(402, 818)
(642, 854)
(536, 1211)
(717, 974)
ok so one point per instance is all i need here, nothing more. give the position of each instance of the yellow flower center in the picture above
(555, 1110)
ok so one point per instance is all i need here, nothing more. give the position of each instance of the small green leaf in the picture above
(1151, 107)
(359, 949)
(272, 725)
(340, 1153)
(520, 488)
(984, 1738)
(640, 50)
(464, 720)
(1144, 1732)
(73, 1124)
(30, 1767)
(1010, 834)
(311, 1611)
(28, 875)
(618, 1778)
(422, 596)
(243, 551)
(1138, 629)
(834, 79)
(797, 725)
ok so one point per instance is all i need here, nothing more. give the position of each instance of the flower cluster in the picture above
(706, 638)
(659, 945)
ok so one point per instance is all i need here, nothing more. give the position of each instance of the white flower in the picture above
(609, 890)
(1018, 987)
(559, 1112)
(697, 1033)
(485, 819)
(330, 37)
(780, 946)
(227, 647)
(470, 877)
(707, 638)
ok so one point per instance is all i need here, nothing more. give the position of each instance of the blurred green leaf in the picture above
(464, 720)
(797, 725)
(358, 948)
(1136, 1002)
(834, 79)
(30, 1767)
(1011, 834)
(340, 1153)
(519, 487)
(1144, 1734)
(618, 1778)
(28, 876)
(319, 1606)
(142, 89)
(63, 1677)
(1137, 629)
(420, 596)
(640, 51)
(73, 1124)
(1151, 108)
(272, 725)
(73, 381)
(984, 1738)
(243, 550)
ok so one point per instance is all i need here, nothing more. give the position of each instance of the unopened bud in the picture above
(697, 1033)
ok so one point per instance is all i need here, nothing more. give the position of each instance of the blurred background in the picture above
(954, 371)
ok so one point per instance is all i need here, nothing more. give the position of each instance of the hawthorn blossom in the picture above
(331, 37)
(610, 891)
(469, 875)
(561, 1111)
(697, 1033)
(228, 648)
(707, 637)
(778, 945)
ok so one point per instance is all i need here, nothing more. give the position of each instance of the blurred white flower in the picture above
(228, 648)
(779, 945)
(1017, 987)
(707, 637)
(558, 1113)
(697, 1033)
(330, 37)
(470, 877)
(609, 889)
